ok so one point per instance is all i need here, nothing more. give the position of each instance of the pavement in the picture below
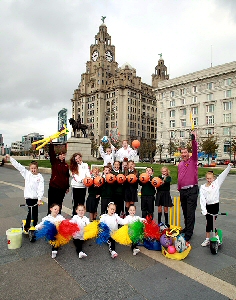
(30, 273)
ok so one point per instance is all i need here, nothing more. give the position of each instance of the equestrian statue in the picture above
(76, 125)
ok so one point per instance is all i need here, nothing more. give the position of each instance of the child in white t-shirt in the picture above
(78, 238)
(111, 219)
(54, 218)
(130, 219)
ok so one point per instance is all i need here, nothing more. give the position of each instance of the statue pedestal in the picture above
(82, 145)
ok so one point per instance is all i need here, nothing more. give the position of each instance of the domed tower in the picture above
(160, 72)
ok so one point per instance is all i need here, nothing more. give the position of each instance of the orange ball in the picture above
(144, 178)
(156, 182)
(120, 178)
(88, 181)
(110, 178)
(131, 178)
(98, 181)
(136, 144)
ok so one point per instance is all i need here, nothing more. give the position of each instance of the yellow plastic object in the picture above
(56, 135)
(176, 255)
(14, 238)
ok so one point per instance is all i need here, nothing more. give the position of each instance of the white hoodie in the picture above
(211, 194)
(130, 219)
(81, 222)
(112, 221)
(128, 153)
(77, 179)
(107, 158)
(34, 184)
(54, 220)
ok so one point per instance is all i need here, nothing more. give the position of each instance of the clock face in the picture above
(109, 56)
(95, 55)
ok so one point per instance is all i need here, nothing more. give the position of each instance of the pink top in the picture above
(188, 170)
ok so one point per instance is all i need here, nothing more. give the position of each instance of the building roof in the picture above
(199, 75)
(126, 65)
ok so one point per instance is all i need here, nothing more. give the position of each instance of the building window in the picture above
(183, 101)
(210, 120)
(172, 123)
(228, 94)
(210, 85)
(227, 105)
(182, 91)
(228, 81)
(195, 99)
(161, 124)
(210, 108)
(172, 93)
(195, 121)
(210, 97)
(226, 131)
(183, 112)
(183, 123)
(209, 131)
(172, 103)
(195, 110)
(172, 113)
(227, 147)
(172, 134)
(182, 134)
(227, 118)
(194, 89)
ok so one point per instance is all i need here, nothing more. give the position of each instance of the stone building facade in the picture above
(206, 97)
(112, 99)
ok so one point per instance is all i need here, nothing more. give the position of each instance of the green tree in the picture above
(159, 149)
(209, 145)
(172, 148)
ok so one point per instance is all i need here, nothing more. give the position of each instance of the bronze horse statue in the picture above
(76, 125)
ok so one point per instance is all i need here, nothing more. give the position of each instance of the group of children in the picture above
(114, 195)
(126, 194)
(111, 219)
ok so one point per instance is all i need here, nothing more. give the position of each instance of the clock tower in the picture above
(112, 100)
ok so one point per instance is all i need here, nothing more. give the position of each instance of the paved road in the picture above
(30, 273)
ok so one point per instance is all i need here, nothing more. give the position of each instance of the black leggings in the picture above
(112, 244)
(78, 245)
(31, 202)
(212, 209)
(78, 196)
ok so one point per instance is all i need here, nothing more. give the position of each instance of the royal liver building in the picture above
(112, 99)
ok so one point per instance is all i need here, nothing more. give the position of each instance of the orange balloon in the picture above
(120, 178)
(88, 181)
(98, 181)
(110, 178)
(131, 178)
(156, 182)
(136, 144)
(144, 178)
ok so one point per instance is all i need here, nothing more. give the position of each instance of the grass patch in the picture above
(156, 167)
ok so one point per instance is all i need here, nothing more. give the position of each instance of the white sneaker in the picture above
(205, 243)
(82, 254)
(54, 254)
(136, 251)
(113, 254)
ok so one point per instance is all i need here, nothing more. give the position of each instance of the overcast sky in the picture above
(46, 44)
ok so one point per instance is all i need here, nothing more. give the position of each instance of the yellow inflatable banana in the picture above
(45, 141)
